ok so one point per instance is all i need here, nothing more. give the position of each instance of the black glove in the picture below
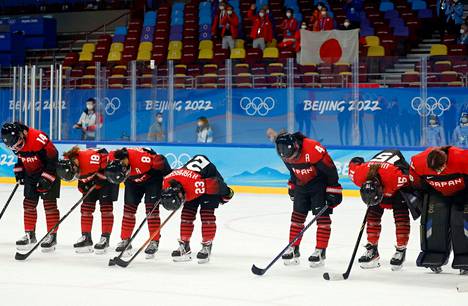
(45, 183)
(334, 196)
(357, 160)
(226, 198)
(19, 175)
(85, 187)
(291, 191)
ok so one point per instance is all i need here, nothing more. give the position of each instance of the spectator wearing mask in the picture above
(346, 25)
(262, 29)
(353, 9)
(460, 134)
(204, 131)
(434, 132)
(216, 27)
(454, 16)
(89, 121)
(229, 31)
(297, 45)
(325, 22)
(289, 28)
(463, 39)
(156, 131)
(316, 14)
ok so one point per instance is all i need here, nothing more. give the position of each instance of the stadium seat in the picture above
(145, 46)
(88, 48)
(372, 41)
(85, 57)
(144, 55)
(239, 43)
(114, 56)
(243, 80)
(410, 77)
(438, 49)
(175, 45)
(205, 44)
(272, 43)
(441, 66)
(270, 53)
(375, 51)
(449, 76)
(238, 53)
(205, 54)
(174, 55)
(117, 47)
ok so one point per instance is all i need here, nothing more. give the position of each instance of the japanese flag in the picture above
(329, 47)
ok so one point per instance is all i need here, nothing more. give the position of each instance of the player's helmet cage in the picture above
(12, 136)
(287, 146)
(372, 192)
(67, 170)
(116, 172)
(173, 197)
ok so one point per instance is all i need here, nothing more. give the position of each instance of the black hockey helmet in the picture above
(116, 172)
(372, 192)
(12, 136)
(173, 197)
(287, 146)
(67, 170)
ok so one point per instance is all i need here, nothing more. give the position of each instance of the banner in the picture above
(329, 47)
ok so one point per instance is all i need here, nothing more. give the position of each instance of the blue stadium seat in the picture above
(386, 6)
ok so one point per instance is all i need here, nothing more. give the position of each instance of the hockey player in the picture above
(313, 184)
(197, 184)
(442, 174)
(36, 170)
(88, 167)
(383, 181)
(143, 171)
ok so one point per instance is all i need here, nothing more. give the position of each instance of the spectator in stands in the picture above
(289, 28)
(325, 22)
(230, 28)
(463, 39)
(434, 132)
(346, 25)
(156, 131)
(460, 134)
(454, 15)
(204, 131)
(216, 27)
(297, 44)
(353, 9)
(262, 29)
(315, 14)
(89, 121)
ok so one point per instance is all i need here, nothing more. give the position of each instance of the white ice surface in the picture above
(251, 229)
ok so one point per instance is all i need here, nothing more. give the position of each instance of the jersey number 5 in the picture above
(198, 164)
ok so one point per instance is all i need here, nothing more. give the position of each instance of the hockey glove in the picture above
(85, 187)
(45, 183)
(334, 196)
(291, 191)
(19, 175)
(226, 198)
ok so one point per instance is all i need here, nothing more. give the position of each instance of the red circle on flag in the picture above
(330, 51)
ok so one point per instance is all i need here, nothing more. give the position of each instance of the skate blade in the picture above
(149, 256)
(396, 268)
(48, 250)
(316, 264)
(292, 262)
(127, 254)
(24, 248)
(100, 251)
(182, 258)
(436, 270)
(84, 250)
(370, 265)
(203, 261)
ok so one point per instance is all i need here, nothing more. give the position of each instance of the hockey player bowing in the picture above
(88, 167)
(36, 170)
(197, 184)
(442, 174)
(143, 171)
(313, 184)
(384, 183)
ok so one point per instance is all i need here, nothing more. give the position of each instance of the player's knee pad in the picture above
(459, 230)
(435, 232)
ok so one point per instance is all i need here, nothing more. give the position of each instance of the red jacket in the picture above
(217, 21)
(324, 24)
(231, 21)
(261, 26)
(92, 163)
(289, 27)
(314, 17)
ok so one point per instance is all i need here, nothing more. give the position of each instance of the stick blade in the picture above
(463, 287)
(333, 276)
(120, 262)
(112, 261)
(257, 271)
(20, 256)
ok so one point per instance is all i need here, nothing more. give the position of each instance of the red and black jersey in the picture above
(314, 164)
(145, 164)
(92, 163)
(393, 173)
(38, 154)
(448, 182)
(198, 177)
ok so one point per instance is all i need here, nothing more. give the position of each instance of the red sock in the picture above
(87, 210)
(297, 224)
(52, 214)
(30, 214)
(107, 217)
(154, 221)
(208, 220)
(374, 226)
(402, 223)
(323, 232)
(128, 222)
(186, 223)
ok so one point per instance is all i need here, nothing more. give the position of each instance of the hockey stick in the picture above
(337, 276)
(258, 271)
(462, 287)
(112, 260)
(23, 256)
(123, 263)
(9, 200)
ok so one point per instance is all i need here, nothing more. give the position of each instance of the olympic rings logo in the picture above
(112, 105)
(432, 106)
(257, 106)
(177, 161)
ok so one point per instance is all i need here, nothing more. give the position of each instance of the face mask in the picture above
(462, 31)
(304, 26)
(89, 106)
(160, 120)
(464, 120)
(432, 122)
(346, 24)
(261, 14)
(324, 13)
(229, 12)
(200, 124)
(221, 8)
(288, 14)
(319, 7)
(268, 11)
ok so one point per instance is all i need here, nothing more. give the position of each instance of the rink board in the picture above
(251, 169)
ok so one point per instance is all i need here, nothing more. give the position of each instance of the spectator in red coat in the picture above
(316, 14)
(262, 29)
(289, 28)
(229, 31)
(216, 27)
(297, 44)
(325, 22)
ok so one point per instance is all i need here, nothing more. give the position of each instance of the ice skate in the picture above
(204, 255)
(49, 243)
(183, 253)
(151, 249)
(317, 259)
(291, 257)
(26, 242)
(84, 244)
(125, 247)
(398, 259)
(370, 259)
(103, 244)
